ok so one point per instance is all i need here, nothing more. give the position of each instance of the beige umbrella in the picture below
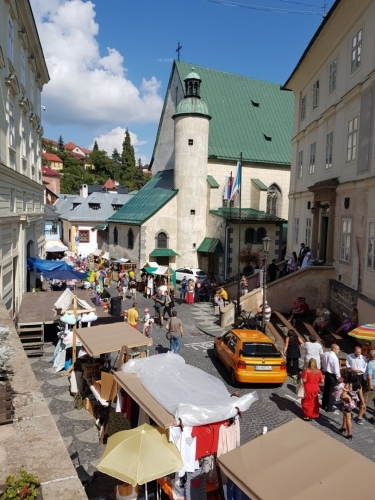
(140, 455)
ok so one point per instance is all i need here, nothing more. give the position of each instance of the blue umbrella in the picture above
(64, 274)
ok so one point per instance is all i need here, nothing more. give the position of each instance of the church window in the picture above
(190, 142)
(192, 212)
(162, 240)
(273, 199)
(130, 238)
(250, 235)
(115, 236)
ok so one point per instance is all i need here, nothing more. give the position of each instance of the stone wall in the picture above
(33, 441)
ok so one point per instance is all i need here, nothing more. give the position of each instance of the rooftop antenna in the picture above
(324, 6)
(178, 50)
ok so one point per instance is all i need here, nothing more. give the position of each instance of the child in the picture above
(149, 330)
(146, 320)
(125, 313)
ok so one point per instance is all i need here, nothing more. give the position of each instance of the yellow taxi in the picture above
(251, 357)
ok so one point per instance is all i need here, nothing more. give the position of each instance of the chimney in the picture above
(84, 191)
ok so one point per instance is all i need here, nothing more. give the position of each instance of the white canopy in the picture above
(55, 246)
(65, 301)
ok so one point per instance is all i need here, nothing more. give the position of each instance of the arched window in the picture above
(130, 238)
(250, 236)
(261, 233)
(115, 236)
(162, 240)
(273, 200)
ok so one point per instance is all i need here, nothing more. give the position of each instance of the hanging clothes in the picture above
(195, 486)
(229, 437)
(207, 439)
(186, 445)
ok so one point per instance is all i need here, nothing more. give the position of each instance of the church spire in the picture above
(192, 84)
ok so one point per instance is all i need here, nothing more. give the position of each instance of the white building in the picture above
(332, 187)
(23, 73)
(180, 218)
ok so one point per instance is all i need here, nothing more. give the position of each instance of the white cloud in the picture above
(85, 88)
(166, 60)
(113, 140)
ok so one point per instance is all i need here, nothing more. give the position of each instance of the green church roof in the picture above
(191, 105)
(149, 200)
(248, 115)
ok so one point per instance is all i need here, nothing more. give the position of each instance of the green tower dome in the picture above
(192, 104)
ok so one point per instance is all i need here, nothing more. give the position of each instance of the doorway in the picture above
(323, 240)
(29, 253)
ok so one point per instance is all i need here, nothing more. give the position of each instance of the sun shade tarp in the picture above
(110, 338)
(132, 385)
(41, 265)
(297, 462)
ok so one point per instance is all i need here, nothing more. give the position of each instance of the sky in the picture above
(110, 60)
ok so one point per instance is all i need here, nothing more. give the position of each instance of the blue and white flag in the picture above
(228, 187)
(237, 182)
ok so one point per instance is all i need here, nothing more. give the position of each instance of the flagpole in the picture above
(239, 240)
(230, 225)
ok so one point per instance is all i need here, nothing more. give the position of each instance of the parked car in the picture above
(251, 357)
(190, 273)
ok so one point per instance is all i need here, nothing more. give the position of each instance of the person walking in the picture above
(146, 320)
(133, 288)
(190, 292)
(133, 317)
(124, 285)
(183, 288)
(292, 353)
(273, 270)
(312, 377)
(293, 263)
(370, 394)
(351, 394)
(301, 254)
(331, 372)
(307, 258)
(159, 303)
(167, 305)
(313, 350)
(150, 287)
(174, 326)
(357, 363)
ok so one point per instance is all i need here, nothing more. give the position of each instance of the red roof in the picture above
(49, 172)
(52, 157)
(109, 184)
(50, 141)
(70, 146)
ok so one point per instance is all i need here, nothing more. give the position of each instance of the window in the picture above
(192, 212)
(33, 203)
(308, 232)
(232, 344)
(190, 142)
(315, 95)
(12, 140)
(273, 199)
(130, 238)
(94, 206)
(162, 240)
(23, 136)
(329, 149)
(295, 230)
(23, 66)
(312, 158)
(12, 201)
(115, 236)
(84, 236)
(332, 76)
(352, 139)
(300, 164)
(346, 231)
(31, 86)
(261, 233)
(250, 236)
(371, 246)
(10, 39)
(24, 201)
(356, 51)
(116, 207)
(32, 147)
(303, 108)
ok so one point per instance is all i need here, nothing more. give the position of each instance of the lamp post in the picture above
(266, 248)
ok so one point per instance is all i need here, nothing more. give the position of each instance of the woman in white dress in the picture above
(313, 350)
(307, 260)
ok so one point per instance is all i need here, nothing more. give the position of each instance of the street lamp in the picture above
(266, 248)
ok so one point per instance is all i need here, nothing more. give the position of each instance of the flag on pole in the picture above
(237, 182)
(228, 187)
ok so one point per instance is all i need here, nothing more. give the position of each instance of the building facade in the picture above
(23, 72)
(332, 187)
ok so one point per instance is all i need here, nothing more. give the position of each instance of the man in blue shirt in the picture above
(369, 396)
(183, 288)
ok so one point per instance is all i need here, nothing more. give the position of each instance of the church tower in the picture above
(191, 129)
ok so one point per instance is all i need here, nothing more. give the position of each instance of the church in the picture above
(182, 217)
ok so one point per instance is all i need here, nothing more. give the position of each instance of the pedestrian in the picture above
(159, 303)
(273, 270)
(292, 353)
(301, 254)
(163, 287)
(293, 263)
(370, 394)
(366, 349)
(331, 372)
(351, 394)
(133, 317)
(357, 363)
(300, 310)
(313, 350)
(146, 320)
(190, 292)
(176, 331)
(133, 288)
(183, 288)
(167, 305)
(312, 377)
(348, 323)
(307, 258)
(267, 312)
(124, 285)
(244, 286)
(172, 296)
(150, 330)
(150, 287)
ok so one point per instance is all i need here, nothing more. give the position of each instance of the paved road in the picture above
(275, 406)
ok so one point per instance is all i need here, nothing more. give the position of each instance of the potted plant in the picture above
(21, 486)
(249, 258)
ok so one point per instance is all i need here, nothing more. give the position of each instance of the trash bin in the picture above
(115, 306)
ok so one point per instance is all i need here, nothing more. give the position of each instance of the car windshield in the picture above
(250, 349)
(200, 273)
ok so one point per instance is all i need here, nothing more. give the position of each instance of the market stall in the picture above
(303, 462)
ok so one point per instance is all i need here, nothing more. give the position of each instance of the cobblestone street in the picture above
(275, 406)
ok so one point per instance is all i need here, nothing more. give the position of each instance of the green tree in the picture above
(116, 157)
(96, 147)
(60, 144)
(127, 155)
